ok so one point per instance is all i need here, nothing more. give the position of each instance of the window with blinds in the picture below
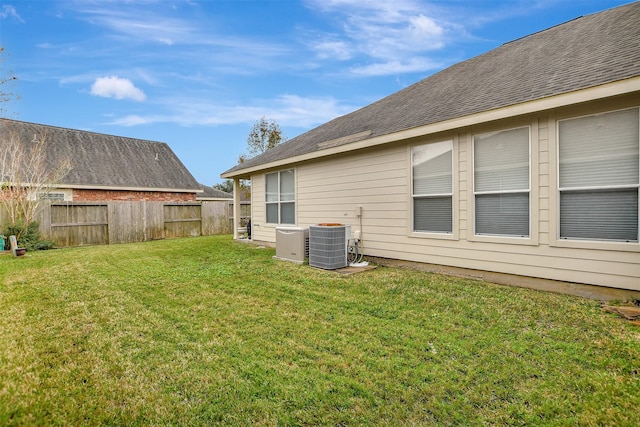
(599, 176)
(432, 187)
(502, 182)
(280, 197)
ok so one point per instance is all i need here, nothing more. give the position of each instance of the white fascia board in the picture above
(584, 95)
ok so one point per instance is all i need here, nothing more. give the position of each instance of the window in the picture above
(51, 196)
(501, 182)
(280, 196)
(432, 166)
(599, 176)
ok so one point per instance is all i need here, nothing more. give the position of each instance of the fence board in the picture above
(182, 220)
(76, 225)
(128, 222)
(215, 218)
(86, 223)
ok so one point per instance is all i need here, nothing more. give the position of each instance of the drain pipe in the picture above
(359, 237)
(236, 207)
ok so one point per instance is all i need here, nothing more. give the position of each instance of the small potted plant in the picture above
(242, 230)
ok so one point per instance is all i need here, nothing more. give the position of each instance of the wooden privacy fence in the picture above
(100, 223)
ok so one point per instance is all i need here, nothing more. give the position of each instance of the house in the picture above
(108, 167)
(522, 162)
(213, 194)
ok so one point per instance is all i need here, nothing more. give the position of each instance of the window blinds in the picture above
(599, 164)
(433, 187)
(501, 182)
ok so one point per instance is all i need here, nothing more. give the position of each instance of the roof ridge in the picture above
(544, 29)
(82, 130)
(570, 20)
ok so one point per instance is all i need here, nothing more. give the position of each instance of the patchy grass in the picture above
(207, 331)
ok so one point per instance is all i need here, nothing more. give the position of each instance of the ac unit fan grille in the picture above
(328, 246)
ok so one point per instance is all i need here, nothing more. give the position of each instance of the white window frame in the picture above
(450, 194)
(531, 236)
(52, 196)
(280, 202)
(57, 195)
(596, 243)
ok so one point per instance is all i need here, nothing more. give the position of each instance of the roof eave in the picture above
(620, 87)
(118, 188)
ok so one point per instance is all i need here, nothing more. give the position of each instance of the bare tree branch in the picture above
(6, 81)
(26, 178)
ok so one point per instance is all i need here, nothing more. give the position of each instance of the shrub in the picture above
(28, 237)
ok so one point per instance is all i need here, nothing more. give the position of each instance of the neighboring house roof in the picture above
(107, 161)
(210, 193)
(583, 53)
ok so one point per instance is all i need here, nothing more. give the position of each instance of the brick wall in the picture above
(107, 195)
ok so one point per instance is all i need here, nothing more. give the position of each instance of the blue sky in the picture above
(198, 74)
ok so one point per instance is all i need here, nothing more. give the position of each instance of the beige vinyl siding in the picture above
(464, 180)
(581, 266)
(331, 192)
(379, 180)
(544, 179)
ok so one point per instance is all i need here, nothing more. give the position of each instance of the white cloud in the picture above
(287, 110)
(294, 110)
(411, 65)
(332, 49)
(10, 11)
(421, 28)
(396, 37)
(138, 22)
(191, 37)
(115, 87)
(133, 120)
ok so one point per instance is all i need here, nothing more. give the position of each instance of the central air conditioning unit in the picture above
(328, 245)
(292, 244)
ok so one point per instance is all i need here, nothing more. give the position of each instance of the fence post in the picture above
(14, 244)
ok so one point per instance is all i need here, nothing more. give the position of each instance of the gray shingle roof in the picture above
(100, 160)
(585, 52)
(213, 193)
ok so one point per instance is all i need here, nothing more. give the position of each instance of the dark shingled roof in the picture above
(213, 193)
(585, 52)
(100, 160)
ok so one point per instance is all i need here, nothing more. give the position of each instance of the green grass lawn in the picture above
(206, 331)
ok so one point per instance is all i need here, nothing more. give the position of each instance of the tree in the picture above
(265, 134)
(226, 186)
(6, 94)
(26, 177)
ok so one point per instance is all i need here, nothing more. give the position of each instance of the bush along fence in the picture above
(101, 223)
